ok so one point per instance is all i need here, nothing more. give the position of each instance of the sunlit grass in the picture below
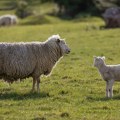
(74, 90)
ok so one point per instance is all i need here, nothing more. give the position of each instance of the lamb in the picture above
(30, 59)
(8, 20)
(110, 73)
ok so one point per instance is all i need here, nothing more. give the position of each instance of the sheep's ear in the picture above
(103, 57)
(94, 57)
(58, 40)
(58, 35)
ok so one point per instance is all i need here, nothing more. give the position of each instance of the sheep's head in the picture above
(98, 61)
(55, 40)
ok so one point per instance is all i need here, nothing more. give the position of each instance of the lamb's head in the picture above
(98, 61)
(56, 41)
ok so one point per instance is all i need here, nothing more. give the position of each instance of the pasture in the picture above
(75, 90)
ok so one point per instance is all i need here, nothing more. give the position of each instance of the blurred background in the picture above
(42, 11)
(75, 90)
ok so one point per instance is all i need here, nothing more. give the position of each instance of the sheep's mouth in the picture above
(68, 51)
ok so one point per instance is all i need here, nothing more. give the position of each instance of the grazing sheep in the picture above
(111, 17)
(32, 59)
(8, 20)
(109, 73)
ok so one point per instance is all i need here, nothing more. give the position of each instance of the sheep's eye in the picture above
(58, 40)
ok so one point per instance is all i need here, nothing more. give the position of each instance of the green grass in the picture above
(40, 12)
(75, 90)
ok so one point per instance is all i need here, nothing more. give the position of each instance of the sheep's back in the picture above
(18, 60)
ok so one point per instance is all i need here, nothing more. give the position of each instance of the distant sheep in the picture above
(8, 20)
(32, 59)
(109, 73)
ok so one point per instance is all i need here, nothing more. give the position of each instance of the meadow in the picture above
(75, 90)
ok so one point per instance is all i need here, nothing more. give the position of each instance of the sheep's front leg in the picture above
(38, 85)
(109, 88)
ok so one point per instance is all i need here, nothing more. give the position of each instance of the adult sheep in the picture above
(110, 73)
(8, 20)
(32, 59)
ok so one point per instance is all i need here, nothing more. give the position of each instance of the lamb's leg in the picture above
(33, 86)
(109, 88)
(38, 85)
(111, 82)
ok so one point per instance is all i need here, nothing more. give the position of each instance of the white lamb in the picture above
(109, 73)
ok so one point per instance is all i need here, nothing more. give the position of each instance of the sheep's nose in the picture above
(68, 51)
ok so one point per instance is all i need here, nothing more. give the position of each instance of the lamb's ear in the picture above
(103, 57)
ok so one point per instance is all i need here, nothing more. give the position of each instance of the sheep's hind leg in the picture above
(33, 86)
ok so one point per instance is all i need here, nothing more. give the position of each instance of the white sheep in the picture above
(32, 59)
(8, 20)
(109, 73)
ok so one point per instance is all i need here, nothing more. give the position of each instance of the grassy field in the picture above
(75, 90)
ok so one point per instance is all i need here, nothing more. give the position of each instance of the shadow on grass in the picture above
(93, 99)
(19, 96)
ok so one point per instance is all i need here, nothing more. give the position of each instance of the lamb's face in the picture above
(98, 61)
(55, 40)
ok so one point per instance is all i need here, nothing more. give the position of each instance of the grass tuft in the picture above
(65, 114)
